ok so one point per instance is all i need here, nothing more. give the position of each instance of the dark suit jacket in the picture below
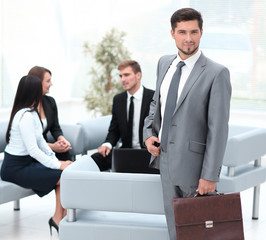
(50, 109)
(118, 125)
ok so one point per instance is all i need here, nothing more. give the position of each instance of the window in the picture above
(51, 34)
(234, 34)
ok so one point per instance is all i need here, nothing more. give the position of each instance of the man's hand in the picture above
(104, 151)
(205, 186)
(153, 150)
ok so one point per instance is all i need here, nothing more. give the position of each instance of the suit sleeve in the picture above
(146, 102)
(55, 128)
(149, 128)
(113, 132)
(218, 117)
(148, 122)
(35, 144)
(152, 127)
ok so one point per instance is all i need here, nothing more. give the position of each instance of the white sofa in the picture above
(119, 206)
(113, 206)
(9, 191)
(94, 132)
(12, 192)
(242, 168)
(75, 135)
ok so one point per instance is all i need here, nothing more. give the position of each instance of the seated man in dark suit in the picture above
(128, 113)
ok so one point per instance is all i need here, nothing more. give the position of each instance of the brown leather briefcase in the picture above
(209, 217)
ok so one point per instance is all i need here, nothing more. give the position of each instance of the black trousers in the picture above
(64, 156)
(104, 163)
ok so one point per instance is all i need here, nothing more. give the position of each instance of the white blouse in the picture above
(26, 139)
(44, 123)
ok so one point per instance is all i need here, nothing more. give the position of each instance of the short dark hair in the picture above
(39, 72)
(130, 63)
(186, 14)
(29, 94)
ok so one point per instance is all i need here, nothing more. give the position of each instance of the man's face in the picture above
(187, 36)
(130, 80)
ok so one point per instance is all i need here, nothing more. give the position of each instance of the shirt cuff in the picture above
(107, 144)
(58, 165)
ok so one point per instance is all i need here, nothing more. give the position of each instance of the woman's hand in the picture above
(61, 145)
(64, 141)
(64, 164)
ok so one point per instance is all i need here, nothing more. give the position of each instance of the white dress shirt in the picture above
(26, 139)
(186, 70)
(136, 117)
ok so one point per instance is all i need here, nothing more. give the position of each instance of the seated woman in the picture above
(48, 111)
(28, 160)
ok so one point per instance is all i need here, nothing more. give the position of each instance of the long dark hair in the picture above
(39, 72)
(29, 94)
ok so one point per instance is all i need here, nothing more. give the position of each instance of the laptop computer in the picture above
(128, 160)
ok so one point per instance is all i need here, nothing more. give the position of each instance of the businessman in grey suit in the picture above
(188, 142)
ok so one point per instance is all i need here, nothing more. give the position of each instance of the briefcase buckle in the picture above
(209, 224)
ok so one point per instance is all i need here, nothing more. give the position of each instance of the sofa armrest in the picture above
(83, 164)
(83, 187)
(94, 132)
(246, 146)
(74, 134)
(3, 128)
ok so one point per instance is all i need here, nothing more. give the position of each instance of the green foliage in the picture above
(105, 83)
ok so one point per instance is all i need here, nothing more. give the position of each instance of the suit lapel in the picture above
(144, 105)
(124, 111)
(47, 112)
(164, 68)
(193, 77)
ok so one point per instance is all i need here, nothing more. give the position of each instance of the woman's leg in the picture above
(60, 212)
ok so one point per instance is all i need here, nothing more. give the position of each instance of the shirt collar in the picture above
(190, 62)
(138, 94)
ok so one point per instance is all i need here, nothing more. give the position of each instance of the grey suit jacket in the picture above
(199, 128)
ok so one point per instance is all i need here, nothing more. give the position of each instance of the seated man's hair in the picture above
(130, 63)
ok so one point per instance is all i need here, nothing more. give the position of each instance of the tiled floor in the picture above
(31, 222)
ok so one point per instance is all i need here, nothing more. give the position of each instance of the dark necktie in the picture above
(170, 105)
(130, 121)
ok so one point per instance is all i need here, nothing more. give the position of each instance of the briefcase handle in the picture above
(208, 194)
